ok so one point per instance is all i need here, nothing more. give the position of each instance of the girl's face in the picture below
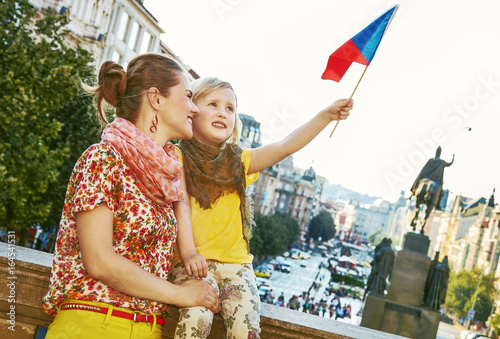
(215, 123)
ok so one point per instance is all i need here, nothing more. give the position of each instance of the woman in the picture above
(118, 229)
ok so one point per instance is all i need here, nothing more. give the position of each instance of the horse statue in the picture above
(428, 187)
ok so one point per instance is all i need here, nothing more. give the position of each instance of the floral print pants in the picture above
(240, 302)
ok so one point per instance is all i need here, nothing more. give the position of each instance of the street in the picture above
(447, 331)
(305, 272)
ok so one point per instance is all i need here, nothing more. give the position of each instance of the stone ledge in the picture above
(32, 271)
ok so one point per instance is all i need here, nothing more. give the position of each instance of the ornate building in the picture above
(282, 188)
(115, 30)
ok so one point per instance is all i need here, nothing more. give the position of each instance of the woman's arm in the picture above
(195, 263)
(95, 236)
(266, 156)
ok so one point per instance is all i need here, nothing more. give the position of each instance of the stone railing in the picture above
(24, 278)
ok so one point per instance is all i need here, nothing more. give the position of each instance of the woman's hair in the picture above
(123, 90)
(207, 85)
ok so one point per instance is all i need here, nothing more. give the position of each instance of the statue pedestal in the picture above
(400, 311)
(416, 242)
(408, 278)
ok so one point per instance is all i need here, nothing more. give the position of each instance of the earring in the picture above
(153, 127)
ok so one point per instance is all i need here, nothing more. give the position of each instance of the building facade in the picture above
(116, 30)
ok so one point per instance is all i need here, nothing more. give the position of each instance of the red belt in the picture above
(132, 316)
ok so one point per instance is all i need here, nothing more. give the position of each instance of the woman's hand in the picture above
(198, 292)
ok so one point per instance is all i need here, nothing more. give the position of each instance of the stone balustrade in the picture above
(25, 278)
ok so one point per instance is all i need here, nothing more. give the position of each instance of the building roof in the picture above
(473, 207)
(309, 174)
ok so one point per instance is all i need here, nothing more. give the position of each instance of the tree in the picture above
(376, 237)
(267, 237)
(461, 291)
(273, 235)
(291, 228)
(41, 113)
(495, 322)
(322, 226)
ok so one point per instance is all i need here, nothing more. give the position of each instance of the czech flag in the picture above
(361, 48)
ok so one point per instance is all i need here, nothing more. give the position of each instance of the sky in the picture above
(434, 81)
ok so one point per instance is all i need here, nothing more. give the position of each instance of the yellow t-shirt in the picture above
(217, 232)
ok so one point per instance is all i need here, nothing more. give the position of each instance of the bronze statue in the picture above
(432, 266)
(382, 264)
(436, 295)
(428, 187)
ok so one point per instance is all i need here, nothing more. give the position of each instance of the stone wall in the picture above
(27, 272)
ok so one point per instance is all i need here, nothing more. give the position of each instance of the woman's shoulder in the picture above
(104, 150)
(101, 155)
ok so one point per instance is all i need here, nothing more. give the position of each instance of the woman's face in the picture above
(177, 110)
(215, 123)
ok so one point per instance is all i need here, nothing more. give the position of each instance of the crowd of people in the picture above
(307, 304)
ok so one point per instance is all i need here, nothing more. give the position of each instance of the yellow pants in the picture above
(79, 324)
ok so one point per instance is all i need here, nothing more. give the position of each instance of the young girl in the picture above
(217, 172)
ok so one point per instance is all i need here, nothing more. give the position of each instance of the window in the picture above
(121, 32)
(134, 34)
(116, 57)
(146, 42)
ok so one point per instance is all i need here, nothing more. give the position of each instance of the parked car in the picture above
(286, 268)
(276, 264)
(295, 254)
(262, 272)
(473, 335)
(261, 282)
(305, 255)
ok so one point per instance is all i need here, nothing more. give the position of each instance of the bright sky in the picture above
(435, 74)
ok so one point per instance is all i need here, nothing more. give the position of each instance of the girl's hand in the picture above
(198, 292)
(196, 265)
(340, 109)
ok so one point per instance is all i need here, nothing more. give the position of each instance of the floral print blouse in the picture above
(143, 231)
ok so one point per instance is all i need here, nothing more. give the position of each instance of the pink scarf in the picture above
(157, 170)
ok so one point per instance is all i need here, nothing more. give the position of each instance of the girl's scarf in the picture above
(157, 170)
(214, 171)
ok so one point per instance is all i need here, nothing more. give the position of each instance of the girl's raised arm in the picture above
(266, 156)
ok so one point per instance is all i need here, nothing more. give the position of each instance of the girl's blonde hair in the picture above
(207, 85)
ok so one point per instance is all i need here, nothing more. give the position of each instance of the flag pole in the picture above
(355, 88)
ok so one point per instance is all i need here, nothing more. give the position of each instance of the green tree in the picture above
(461, 291)
(268, 239)
(495, 322)
(322, 226)
(274, 234)
(291, 228)
(41, 111)
(376, 237)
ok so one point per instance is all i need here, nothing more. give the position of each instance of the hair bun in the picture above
(112, 82)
